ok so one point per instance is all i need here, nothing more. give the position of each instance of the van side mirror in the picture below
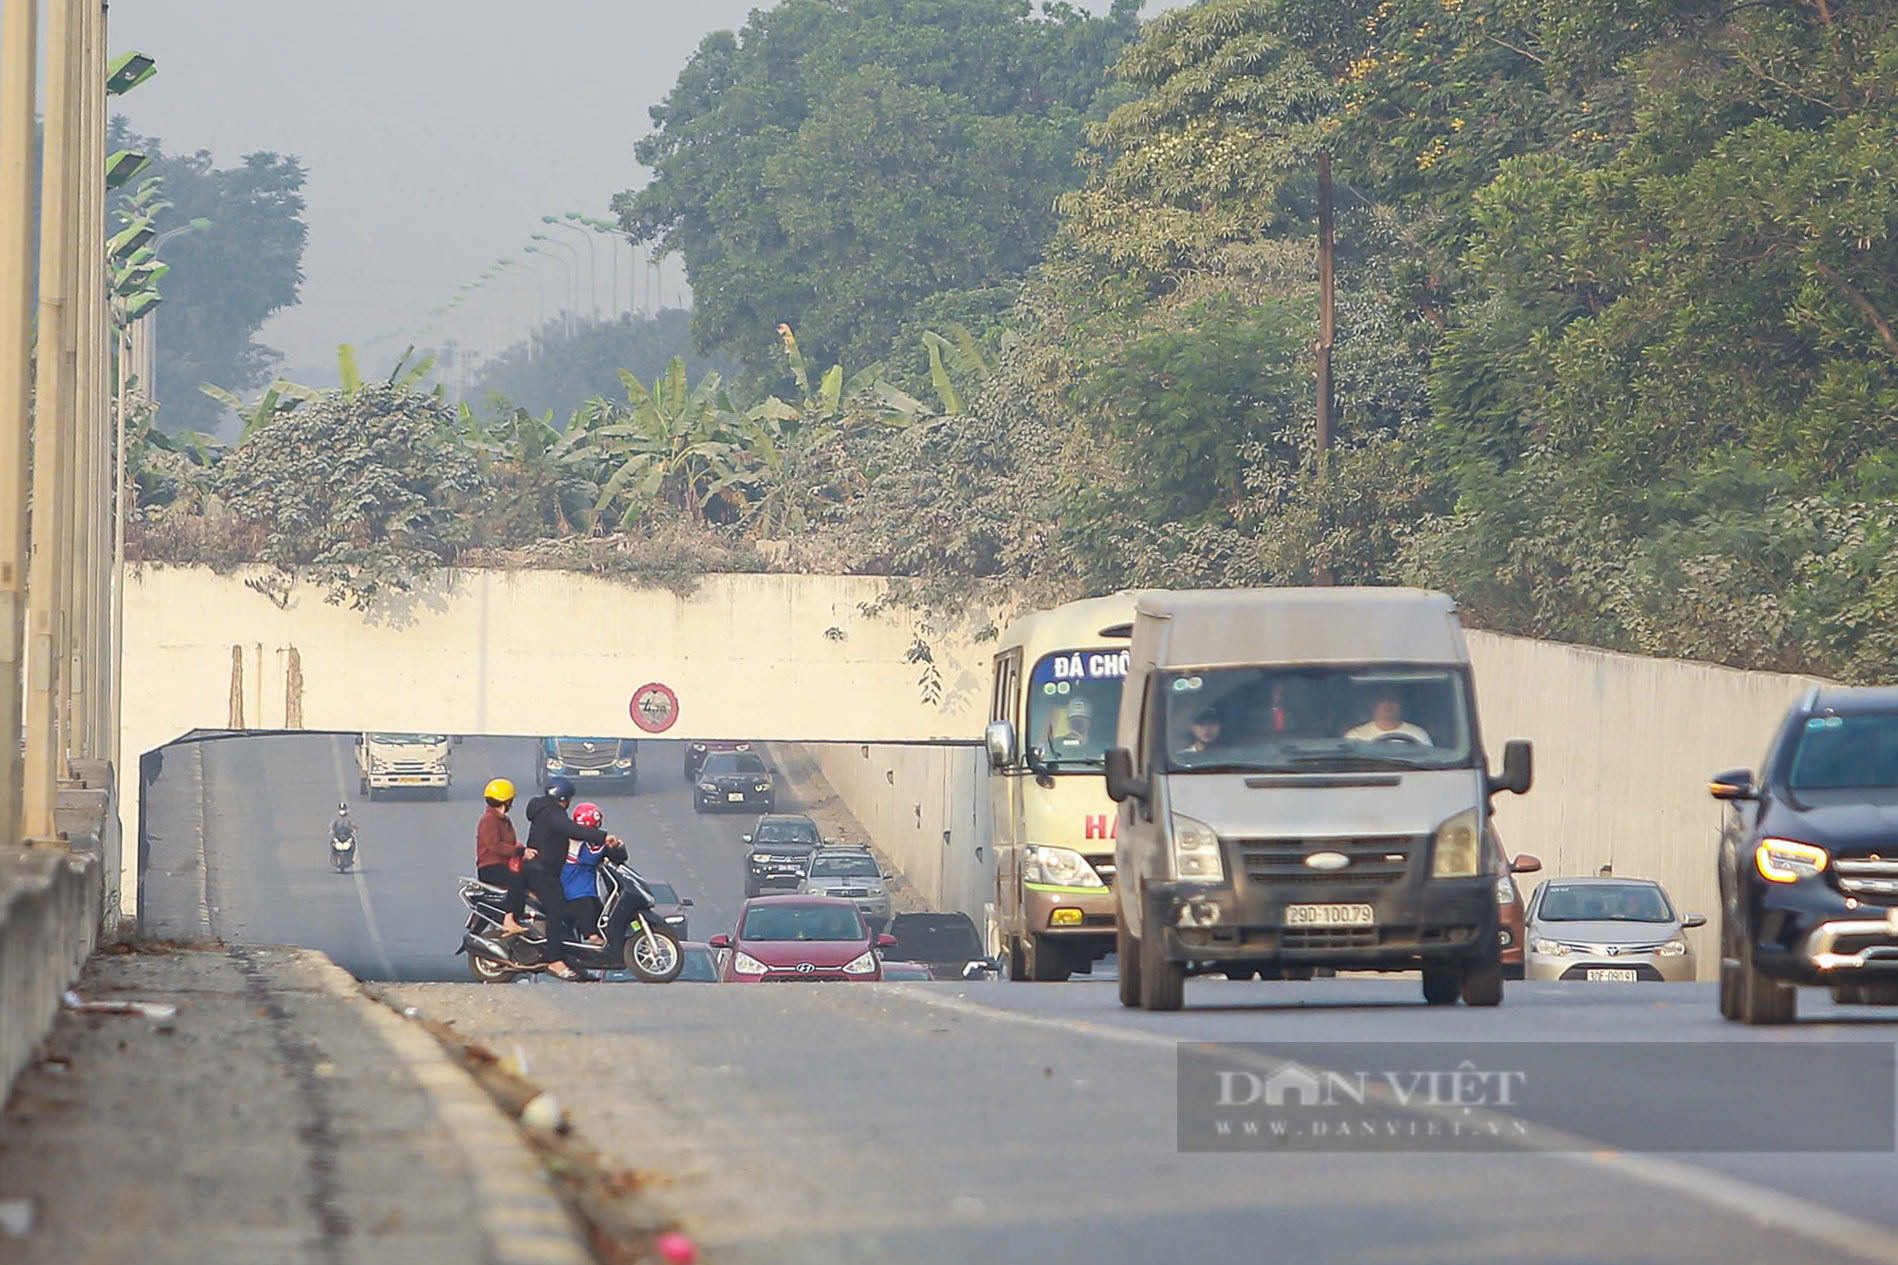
(1518, 773)
(1122, 785)
(1003, 749)
(1525, 863)
(1733, 786)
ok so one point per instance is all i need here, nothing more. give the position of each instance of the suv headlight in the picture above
(1063, 867)
(1549, 948)
(1672, 949)
(1788, 860)
(864, 963)
(1458, 850)
(1505, 891)
(1196, 851)
(708, 786)
(761, 787)
(745, 964)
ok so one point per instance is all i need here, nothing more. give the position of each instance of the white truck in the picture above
(397, 761)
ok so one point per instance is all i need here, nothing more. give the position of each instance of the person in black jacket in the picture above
(549, 831)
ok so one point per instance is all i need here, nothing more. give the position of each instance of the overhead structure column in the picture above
(48, 574)
(19, 174)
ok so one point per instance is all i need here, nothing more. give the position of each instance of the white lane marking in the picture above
(1764, 1206)
(355, 872)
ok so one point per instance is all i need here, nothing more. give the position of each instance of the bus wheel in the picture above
(1127, 959)
(1047, 961)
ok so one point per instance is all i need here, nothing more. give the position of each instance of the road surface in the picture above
(968, 1121)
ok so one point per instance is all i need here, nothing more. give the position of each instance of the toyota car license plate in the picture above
(1330, 916)
(1614, 975)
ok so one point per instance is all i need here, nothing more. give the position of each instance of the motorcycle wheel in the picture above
(654, 956)
(488, 972)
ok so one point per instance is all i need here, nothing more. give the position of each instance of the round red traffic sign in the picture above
(654, 707)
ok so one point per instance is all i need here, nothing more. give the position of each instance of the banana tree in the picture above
(674, 445)
(280, 397)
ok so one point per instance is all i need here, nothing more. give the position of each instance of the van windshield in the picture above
(1316, 720)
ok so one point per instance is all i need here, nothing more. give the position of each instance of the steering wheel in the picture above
(1398, 735)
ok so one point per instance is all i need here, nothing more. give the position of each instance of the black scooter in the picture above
(636, 940)
(342, 853)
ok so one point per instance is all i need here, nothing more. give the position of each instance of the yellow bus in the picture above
(1052, 715)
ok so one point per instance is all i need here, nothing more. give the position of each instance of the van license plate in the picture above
(1330, 916)
(1620, 975)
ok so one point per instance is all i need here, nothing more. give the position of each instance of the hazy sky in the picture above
(436, 134)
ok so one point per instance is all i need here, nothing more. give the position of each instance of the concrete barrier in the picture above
(50, 901)
(926, 807)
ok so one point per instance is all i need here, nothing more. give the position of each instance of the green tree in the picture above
(836, 163)
(559, 369)
(225, 280)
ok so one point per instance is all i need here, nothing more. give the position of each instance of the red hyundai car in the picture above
(800, 938)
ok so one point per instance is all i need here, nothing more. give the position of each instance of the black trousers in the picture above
(545, 884)
(515, 881)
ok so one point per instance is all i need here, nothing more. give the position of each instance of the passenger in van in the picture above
(1387, 722)
(1206, 730)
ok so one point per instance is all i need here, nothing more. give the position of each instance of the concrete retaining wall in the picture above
(49, 920)
(926, 807)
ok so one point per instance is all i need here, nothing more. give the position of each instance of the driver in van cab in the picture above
(1206, 730)
(1387, 718)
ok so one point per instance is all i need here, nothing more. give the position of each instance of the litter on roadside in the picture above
(149, 1009)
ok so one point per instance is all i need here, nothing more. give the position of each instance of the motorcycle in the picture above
(342, 853)
(635, 938)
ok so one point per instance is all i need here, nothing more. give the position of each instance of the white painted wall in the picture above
(927, 808)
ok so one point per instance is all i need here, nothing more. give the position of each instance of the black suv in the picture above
(736, 779)
(1809, 860)
(778, 850)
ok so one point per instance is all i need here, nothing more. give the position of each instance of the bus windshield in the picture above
(1073, 707)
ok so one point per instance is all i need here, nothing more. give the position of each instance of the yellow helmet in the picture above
(500, 790)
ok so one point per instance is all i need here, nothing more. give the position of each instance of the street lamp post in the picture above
(593, 291)
(570, 272)
(611, 232)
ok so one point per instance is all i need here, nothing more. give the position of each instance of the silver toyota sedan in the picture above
(1606, 930)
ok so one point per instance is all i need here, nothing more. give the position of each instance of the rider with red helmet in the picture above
(579, 878)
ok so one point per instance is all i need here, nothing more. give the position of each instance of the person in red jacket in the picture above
(498, 854)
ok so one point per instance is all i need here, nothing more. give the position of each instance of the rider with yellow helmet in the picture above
(498, 853)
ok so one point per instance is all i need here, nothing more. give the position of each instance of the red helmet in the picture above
(588, 815)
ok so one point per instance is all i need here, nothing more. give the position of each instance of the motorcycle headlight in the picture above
(1062, 867)
(1196, 851)
(864, 963)
(1458, 852)
(745, 964)
(1672, 949)
(1549, 948)
(1788, 860)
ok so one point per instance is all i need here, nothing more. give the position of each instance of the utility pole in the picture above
(48, 576)
(1326, 296)
(86, 563)
(19, 165)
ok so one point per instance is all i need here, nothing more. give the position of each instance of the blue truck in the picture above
(606, 765)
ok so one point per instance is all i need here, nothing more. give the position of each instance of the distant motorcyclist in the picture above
(498, 853)
(343, 830)
(580, 876)
(549, 831)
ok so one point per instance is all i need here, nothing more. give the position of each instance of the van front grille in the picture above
(1370, 861)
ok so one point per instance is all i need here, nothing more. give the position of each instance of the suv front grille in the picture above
(1869, 878)
(1376, 861)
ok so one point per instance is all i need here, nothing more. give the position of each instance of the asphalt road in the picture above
(958, 1121)
(267, 803)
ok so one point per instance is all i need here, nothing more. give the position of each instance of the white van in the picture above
(1305, 787)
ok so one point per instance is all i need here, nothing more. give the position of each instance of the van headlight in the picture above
(1458, 851)
(1061, 867)
(554, 762)
(1788, 860)
(1196, 851)
(864, 963)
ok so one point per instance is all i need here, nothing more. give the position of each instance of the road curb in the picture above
(521, 1216)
